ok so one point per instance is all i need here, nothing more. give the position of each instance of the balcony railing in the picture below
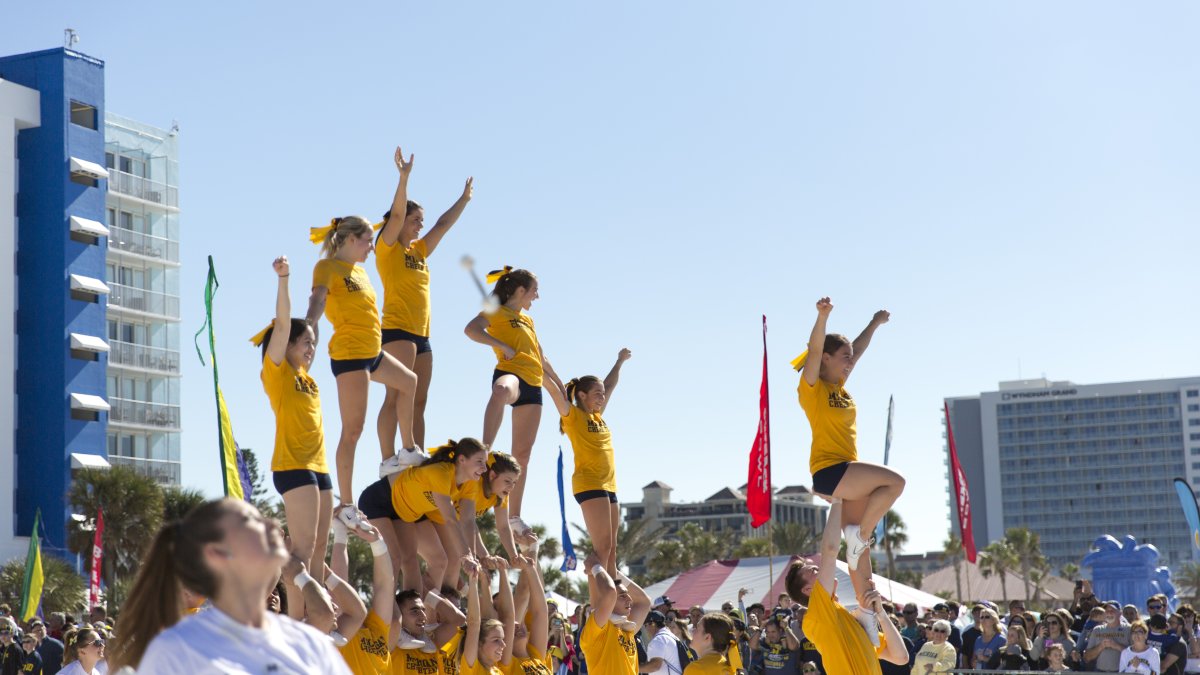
(139, 299)
(143, 188)
(164, 473)
(146, 245)
(143, 356)
(158, 415)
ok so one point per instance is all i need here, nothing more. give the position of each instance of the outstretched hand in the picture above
(404, 167)
(624, 355)
(468, 190)
(282, 268)
(881, 317)
(824, 306)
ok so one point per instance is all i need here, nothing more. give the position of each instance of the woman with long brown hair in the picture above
(228, 552)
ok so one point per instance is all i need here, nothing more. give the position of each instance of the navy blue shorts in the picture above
(581, 497)
(394, 334)
(826, 480)
(376, 501)
(340, 366)
(527, 394)
(290, 480)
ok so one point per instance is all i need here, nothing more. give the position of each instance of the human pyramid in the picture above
(420, 516)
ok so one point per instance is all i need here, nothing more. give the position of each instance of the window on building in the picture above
(84, 179)
(1193, 407)
(1193, 393)
(83, 115)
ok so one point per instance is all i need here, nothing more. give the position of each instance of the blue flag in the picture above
(1187, 499)
(887, 449)
(569, 562)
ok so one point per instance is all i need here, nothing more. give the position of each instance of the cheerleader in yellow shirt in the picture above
(530, 639)
(491, 491)
(581, 403)
(517, 379)
(867, 490)
(366, 649)
(609, 635)
(342, 291)
(712, 638)
(298, 466)
(487, 643)
(415, 511)
(400, 258)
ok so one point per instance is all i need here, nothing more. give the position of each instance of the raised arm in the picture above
(864, 338)
(602, 591)
(539, 625)
(641, 602)
(476, 331)
(443, 224)
(277, 347)
(895, 652)
(816, 342)
(399, 210)
(505, 610)
(554, 386)
(610, 381)
(504, 530)
(449, 619)
(470, 642)
(831, 540)
(353, 610)
(382, 578)
(450, 516)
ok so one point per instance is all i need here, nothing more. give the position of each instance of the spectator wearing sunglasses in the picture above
(10, 651)
(85, 649)
(1172, 652)
(31, 661)
(1050, 632)
(1139, 656)
(1157, 604)
(910, 628)
(937, 655)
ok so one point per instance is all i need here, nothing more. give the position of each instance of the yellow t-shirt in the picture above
(473, 490)
(831, 414)
(515, 329)
(405, 277)
(449, 652)
(478, 669)
(844, 646)
(412, 493)
(591, 442)
(299, 433)
(608, 650)
(534, 664)
(416, 662)
(350, 307)
(711, 664)
(367, 652)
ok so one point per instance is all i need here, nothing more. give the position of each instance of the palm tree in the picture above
(753, 547)
(894, 538)
(1188, 579)
(793, 539)
(133, 510)
(62, 588)
(997, 558)
(177, 501)
(953, 548)
(1026, 546)
(1069, 571)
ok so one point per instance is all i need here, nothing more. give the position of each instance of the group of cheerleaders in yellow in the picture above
(424, 506)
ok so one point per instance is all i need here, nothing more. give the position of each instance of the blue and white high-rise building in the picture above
(1073, 462)
(89, 308)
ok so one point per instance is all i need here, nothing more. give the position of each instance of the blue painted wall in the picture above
(46, 314)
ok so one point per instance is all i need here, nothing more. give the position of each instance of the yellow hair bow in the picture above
(317, 234)
(799, 361)
(261, 335)
(493, 277)
(491, 459)
(379, 226)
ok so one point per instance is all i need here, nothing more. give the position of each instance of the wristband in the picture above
(339, 640)
(596, 567)
(432, 599)
(303, 579)
(332, 581)
(341, 535)
(379, 547)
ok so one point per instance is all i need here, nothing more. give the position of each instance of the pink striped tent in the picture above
(715, 582)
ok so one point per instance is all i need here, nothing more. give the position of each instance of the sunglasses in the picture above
(939, 630)
(1155, 606)
(95, 643)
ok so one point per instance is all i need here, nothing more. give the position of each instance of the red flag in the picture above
(97, 556)
(758, 487)
(962, 495)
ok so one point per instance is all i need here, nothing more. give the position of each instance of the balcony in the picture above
(145, 245)
(141, 300)
(157, 415)
(142, 356)
(143, 188)
(163, 473)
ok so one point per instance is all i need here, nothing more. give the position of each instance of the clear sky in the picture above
(1014, 181)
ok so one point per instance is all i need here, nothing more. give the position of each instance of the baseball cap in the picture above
(656, 617)
(662, 600)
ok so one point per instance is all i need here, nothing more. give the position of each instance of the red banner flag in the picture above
(97, 559)
(962, 496)
(758, 487)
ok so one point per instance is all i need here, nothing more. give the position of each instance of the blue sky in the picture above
(1014, 181)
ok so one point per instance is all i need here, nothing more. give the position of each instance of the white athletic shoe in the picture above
(351, 517)
(855, 546)
(400, 461)
(870, 623)
(408, 641)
